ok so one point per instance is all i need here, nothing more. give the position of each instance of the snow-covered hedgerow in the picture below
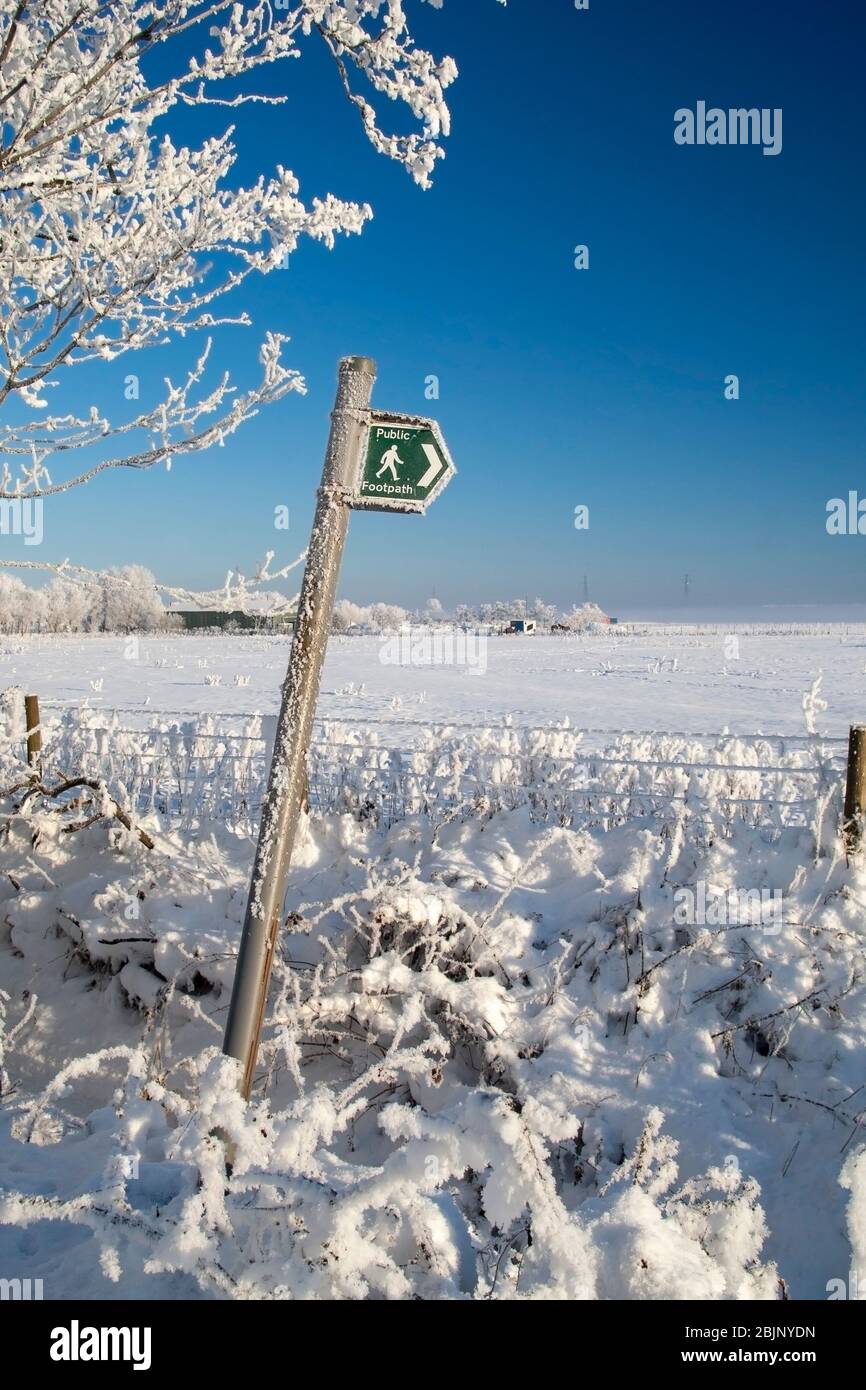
(498, 1063)
(200, 769)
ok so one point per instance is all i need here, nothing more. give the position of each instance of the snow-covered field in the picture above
(686, 683)
(510, 1054)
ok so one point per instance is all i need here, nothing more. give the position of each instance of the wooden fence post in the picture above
(855, 788)
(34, 734)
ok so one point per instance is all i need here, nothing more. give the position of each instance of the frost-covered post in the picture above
(287, 780)
(34, 733)
(855, 788)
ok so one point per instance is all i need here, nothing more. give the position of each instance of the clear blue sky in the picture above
(558, 387)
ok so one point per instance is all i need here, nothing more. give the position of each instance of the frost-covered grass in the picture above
(188, 771)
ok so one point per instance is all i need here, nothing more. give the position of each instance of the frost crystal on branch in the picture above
(113, 238)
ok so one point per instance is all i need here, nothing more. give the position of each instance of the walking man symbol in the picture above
(390, 461)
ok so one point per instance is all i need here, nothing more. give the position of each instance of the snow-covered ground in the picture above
(684, 682)
(508, 1055)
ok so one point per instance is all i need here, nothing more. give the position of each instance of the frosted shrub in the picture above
(417, 1142)
(494, 1065)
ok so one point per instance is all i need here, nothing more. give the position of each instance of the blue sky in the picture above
(558, 387)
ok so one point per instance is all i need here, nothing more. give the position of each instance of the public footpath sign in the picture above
(405, 464)
(378, 461)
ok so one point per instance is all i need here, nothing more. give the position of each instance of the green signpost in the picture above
(405, 464)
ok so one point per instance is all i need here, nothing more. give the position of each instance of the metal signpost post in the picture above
(376, 461)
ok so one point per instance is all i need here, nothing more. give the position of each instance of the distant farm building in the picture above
(520, 627)
(237, 620)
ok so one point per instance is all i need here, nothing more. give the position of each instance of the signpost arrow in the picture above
(436, 466)
(377, 461)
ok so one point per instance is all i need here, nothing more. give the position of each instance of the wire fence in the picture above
(204, 767)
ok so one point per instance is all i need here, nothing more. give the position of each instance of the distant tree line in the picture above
(128, 600)
(383, 617)
(124, 600)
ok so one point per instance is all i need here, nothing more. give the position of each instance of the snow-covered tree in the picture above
(544, 612)
(502, 611)
(384, 617)
(375, 617)
(131, 601)
(465, 616)
(113, 237)
(69, 605)
(120, 600)
(14, 612)
(584, 615)
(346, 614)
